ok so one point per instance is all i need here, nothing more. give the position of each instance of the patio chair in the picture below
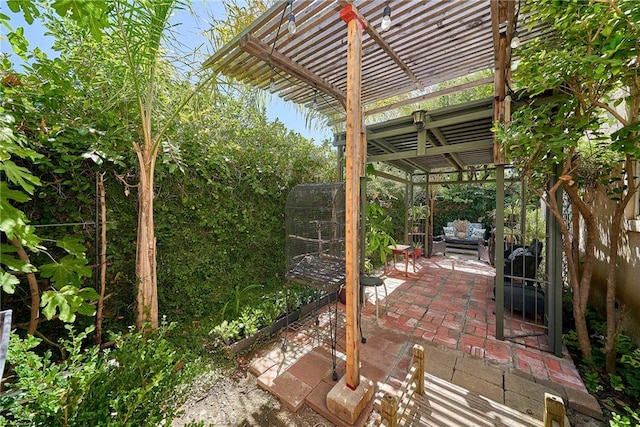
(522, 292)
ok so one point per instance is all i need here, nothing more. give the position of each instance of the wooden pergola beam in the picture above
(385, 146)
(256, 47)
(503, 24)
(433, 151)
(477, 115)
(369, 29)
(452, 158)
(425, 97)
(431, 95)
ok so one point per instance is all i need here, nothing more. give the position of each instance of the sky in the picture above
(190, 30)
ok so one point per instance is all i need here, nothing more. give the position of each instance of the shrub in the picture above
(132, 385)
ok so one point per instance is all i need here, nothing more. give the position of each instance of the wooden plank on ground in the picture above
(446, 404)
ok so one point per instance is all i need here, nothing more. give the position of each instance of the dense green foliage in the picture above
(134, 384)
(221, 222)
(220, 190)
(474, 203)
(619, 393)
(586, 135)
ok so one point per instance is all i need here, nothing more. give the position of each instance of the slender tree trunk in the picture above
(575, 242)
(580, 283)
(103, 258)
(614, 233)
(584, 282)
(34, 289)
(147, 299)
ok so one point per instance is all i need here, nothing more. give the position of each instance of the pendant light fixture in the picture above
(386, 18)
(291, 26)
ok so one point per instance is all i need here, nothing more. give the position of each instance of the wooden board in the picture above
(446, 404)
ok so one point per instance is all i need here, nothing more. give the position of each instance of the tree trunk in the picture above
(34, 289)
(581, 294)
(614, 233)
(580, 283)
(147, 298)
(575, 242)
(103, 258)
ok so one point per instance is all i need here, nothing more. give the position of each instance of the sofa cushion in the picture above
(449, 231)
(478, 233)
(472, 227)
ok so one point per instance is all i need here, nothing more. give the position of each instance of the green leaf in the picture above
(29, 9)
(50, 302)
(17, 264)
(19, 43)
(87, 309)
(20, 176)
(88, 294)
(73, 246)
(8, 282)
(68, 301)
(68, 271)
(8, 194)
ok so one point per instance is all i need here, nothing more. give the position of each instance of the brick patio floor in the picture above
(447, 306)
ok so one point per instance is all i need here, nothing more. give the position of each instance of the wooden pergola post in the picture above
(355, 154)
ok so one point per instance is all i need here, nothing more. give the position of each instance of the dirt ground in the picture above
(238, 401)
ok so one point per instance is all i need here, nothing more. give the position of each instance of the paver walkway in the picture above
(446, 306)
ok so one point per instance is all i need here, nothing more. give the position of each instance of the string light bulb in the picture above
(386, 18)
(272, 84)
(291, 26)
(314, 105)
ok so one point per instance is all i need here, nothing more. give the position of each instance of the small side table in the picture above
(405, 251)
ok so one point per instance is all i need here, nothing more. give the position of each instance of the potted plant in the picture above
(417, 249)
(418, 212)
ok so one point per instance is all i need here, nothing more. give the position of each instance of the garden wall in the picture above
(628, 271)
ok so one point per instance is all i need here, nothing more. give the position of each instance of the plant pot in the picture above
(417, 252)
(342, 296)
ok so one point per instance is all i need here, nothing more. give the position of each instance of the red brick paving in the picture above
(448, 302)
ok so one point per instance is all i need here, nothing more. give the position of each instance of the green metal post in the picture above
(554, 293)
(499, 252)
(408, 202)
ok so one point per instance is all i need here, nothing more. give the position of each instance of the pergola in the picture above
(339, 60)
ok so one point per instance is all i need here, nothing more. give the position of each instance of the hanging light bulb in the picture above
(291, 26)
(314, 105)
(272, 84)
(515, 40)
(386, 18)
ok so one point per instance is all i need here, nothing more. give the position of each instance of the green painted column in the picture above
(499, 252)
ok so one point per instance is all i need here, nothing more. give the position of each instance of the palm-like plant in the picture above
(139, 33)
(141, 27)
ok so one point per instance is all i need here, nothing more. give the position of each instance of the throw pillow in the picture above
(478, 233)
(472, 227)
(449, 231)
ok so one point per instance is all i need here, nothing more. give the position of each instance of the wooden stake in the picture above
(418, 358)
(390, 410)
(103, 258)
(554, 411)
